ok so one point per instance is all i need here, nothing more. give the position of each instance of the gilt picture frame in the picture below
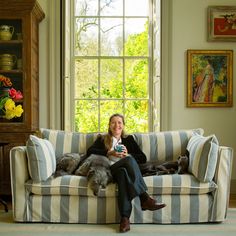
(221, 23)
(209, 78)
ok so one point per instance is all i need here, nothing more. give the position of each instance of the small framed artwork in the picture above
(210, 74)
(222, 23)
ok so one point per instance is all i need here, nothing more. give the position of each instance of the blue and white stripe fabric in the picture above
(68, 199)
(41, 158)
(157, 146)
(203, 153)
(165, 146)
(162, 184)
(69, 142)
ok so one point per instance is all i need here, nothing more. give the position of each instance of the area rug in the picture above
(10, 228)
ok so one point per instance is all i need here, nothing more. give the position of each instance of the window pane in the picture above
(86, 116)
(136, 7)
(86, 37)
(111, 78)
(111, 58)
(136, 37)
(86, 79)
(136, 78)
(111, 8)
(136, 113)
(107, 109)
(111, 37)
(86, 7)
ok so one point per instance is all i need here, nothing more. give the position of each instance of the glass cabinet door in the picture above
(12, 88)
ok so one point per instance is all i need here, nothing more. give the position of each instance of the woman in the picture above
(204, 84)
(124, 169)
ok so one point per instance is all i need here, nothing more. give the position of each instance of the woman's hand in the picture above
(122, 154)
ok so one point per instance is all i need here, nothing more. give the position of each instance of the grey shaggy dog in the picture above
(97, 170)
(67, 164)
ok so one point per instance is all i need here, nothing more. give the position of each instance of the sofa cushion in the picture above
(165, 145)
(41, 158)
(68, 142)
(203, 152)
(177, 184)
(157, 185)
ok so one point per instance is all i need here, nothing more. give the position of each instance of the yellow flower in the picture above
(18, 111)
(10, 104)
(12, 110)
(10, 114)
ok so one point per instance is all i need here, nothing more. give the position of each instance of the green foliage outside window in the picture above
(118, 93)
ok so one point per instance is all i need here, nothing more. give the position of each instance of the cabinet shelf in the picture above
(7, 42)
(11, 71)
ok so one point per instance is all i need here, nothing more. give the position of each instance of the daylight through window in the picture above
(112, 65)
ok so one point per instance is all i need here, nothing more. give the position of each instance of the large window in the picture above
(112, 60)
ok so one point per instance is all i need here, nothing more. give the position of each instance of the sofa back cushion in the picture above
(41, 158)
(69, 142)
(166, 145)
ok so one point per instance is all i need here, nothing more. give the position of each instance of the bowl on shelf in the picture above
(7, 61)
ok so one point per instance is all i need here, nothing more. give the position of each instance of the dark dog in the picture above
(183, 162)
(170, 167)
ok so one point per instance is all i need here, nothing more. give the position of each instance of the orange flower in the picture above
(5, 81)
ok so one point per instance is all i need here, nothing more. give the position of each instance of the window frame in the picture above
(69, 122)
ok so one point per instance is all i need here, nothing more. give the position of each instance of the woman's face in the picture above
(116, 126)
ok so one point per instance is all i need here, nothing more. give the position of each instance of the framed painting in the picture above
(210, 74)
(222, 23)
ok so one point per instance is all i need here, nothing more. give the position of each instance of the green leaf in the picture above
(3, 101)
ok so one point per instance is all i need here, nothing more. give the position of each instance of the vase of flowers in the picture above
(8, 98)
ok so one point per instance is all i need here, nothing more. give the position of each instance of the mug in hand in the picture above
(119, 148)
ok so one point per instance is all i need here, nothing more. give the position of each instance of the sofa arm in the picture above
(19, 175)
(222, 178)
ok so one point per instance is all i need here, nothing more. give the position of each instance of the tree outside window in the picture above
(112, 63)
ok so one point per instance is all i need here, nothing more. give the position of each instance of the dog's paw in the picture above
(95, 188)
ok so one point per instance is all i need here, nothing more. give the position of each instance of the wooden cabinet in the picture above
(21, 18)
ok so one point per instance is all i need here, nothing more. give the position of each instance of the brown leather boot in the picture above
(151, 205)
(124, 224)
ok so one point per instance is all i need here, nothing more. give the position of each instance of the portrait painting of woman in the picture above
(209, 78)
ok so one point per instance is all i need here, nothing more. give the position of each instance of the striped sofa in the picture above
(68, 199)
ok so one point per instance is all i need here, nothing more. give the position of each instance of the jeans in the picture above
(128, 177)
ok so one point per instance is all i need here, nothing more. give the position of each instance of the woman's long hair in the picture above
(108, 136)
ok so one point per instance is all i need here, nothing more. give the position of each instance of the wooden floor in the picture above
(232, 201)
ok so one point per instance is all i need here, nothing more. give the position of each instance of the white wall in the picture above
(185, 27)
(188, 30)
(44, 66)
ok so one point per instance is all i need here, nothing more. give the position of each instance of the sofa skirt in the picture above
(101, 210)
